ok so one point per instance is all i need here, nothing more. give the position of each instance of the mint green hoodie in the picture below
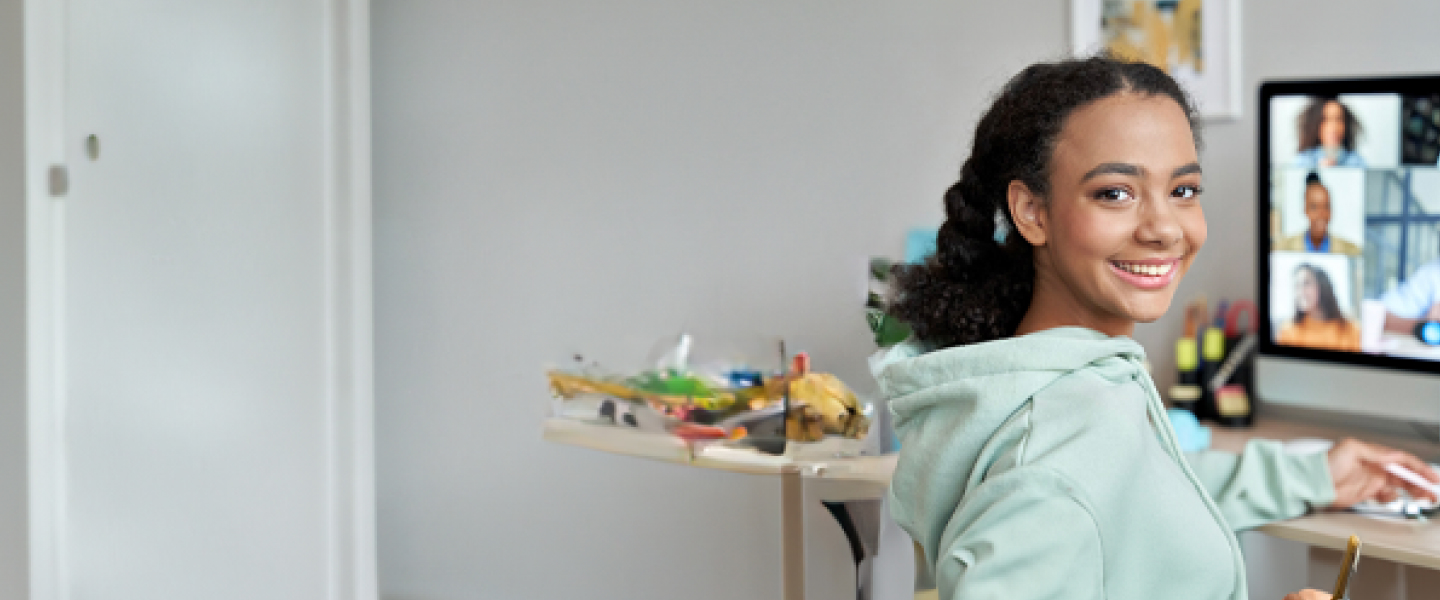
(1043, 466)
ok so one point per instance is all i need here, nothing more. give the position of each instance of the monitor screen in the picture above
(1350, 221)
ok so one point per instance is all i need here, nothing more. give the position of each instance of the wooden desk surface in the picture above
(1233, 440)
(662, 447)
(831, 477)
(1405, 542)
(865, 477)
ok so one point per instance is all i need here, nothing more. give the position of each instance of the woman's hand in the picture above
(1358, 469)
(1308, 595)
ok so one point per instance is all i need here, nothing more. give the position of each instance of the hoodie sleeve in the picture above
(1021, 536)
(1264, 483)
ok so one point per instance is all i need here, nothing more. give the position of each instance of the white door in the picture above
(203, 428)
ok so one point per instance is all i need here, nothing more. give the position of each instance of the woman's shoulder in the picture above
(1087, 412)
(1040, 480)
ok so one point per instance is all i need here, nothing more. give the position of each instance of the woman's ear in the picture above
(1029, 215)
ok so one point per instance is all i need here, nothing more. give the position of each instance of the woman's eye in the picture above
(1113, 195)
(1188, 192)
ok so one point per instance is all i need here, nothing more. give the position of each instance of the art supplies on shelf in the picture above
(1213, 359)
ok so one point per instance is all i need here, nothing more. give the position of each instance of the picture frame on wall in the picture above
(1196, 41)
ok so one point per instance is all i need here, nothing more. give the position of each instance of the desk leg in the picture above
(792, 542)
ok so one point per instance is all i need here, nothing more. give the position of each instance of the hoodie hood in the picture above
(950, 408)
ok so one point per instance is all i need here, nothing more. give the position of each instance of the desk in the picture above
(844, 479)
(1412, 547)
(832, 478)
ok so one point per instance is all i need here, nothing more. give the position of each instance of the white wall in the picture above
(14, 565)
(555, 177)
(565, 176)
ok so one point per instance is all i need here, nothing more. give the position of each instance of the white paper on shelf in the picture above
(743, 455)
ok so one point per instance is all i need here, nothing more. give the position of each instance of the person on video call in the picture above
(1318, 237)
(1416, 300)
(1318, 321)
(1328, 131)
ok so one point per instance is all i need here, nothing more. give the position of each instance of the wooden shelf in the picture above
(833, 477)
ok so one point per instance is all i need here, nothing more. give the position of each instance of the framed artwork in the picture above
(1196, 41)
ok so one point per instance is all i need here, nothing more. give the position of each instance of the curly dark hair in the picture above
(974, 288)
(1314, 114)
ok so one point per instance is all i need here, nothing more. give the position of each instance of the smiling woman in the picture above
(1113, 240)
(1038, 461)
(974, 289)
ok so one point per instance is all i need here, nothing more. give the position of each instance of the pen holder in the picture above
(1235, 402)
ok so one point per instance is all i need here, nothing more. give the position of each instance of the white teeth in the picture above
(1146, 270)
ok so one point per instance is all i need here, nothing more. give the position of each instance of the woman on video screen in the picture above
(1318, 238)
(1328, 130)
(1318, 322)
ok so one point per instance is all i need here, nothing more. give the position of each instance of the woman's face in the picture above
(1307, 291)
(1123, 221)
(1332, 125)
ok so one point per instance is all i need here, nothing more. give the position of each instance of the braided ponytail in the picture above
(976, 288)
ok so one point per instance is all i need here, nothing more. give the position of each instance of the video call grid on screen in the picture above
(1350, 220)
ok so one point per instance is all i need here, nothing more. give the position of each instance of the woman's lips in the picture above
(1147, 274)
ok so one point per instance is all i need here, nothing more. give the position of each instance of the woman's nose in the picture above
(1159, 226)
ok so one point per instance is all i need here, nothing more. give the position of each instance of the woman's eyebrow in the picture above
(1193, 167)
(1115, 168)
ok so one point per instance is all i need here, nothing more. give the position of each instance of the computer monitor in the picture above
(1349, 245)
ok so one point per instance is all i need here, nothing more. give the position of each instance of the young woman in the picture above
(1318, 237)
(1037, 459)
(1318, 321)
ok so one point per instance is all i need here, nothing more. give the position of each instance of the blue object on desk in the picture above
(1193, 436)
(743, 378)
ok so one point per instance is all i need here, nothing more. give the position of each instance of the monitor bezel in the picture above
(1319, 87)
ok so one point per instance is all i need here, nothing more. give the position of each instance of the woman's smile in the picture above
(1147, 274)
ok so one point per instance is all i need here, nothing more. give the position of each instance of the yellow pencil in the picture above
(1347, 567)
